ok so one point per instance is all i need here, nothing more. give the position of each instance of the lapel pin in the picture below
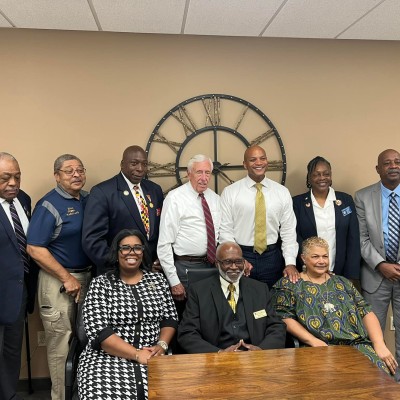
(126, 193)
(338, 202)
(308, 205)
(151, 205)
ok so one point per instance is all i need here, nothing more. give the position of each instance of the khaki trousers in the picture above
(57, 311)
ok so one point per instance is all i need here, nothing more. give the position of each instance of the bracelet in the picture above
(163, 344)
(137, 355)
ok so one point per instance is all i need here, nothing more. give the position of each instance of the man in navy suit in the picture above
(17, 280)
(126, 201)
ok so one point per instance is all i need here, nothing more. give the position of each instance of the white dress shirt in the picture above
(20, 211)
(183, 228)
(238, 212)
(225, 288)
(325, 221)
(131, 188)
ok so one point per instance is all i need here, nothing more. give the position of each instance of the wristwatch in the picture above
(163, 344)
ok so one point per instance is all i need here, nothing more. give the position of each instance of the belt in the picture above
(78, 270)
(191, 258)
(270, 247)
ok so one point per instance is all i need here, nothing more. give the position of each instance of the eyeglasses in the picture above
(239, 262)
(126, 249)
(70, 172)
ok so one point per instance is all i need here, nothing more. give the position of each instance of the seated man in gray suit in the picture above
(227, 313)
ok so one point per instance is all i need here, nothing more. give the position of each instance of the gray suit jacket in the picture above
(369, 211)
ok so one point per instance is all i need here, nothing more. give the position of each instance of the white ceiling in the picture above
(324, 19)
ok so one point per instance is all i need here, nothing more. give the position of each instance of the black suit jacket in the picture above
(12, 268)
(200, 327)
(111, 208)
(348, 254)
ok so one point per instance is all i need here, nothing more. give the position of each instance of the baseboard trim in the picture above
(37, 384)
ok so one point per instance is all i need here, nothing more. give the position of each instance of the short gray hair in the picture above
(199, 158)
(65, 157)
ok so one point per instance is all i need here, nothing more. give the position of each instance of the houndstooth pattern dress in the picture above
(136, 313)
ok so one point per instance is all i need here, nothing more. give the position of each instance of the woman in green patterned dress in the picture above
(323, 309)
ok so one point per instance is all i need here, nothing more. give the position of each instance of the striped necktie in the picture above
(393, 229)
(20, 234)
(211, 248)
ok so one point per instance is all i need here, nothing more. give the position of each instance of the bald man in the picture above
(226, 313)
(257, 213)
(378, 215)
(126, 201)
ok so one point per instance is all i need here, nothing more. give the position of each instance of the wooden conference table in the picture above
(334, 372)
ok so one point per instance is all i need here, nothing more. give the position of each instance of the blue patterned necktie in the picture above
(393, 229)
(20, 234)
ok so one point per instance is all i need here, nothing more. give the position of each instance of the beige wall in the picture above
(93, 94)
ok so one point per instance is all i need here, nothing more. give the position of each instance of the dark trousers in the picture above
(267, 267)
(10, 353)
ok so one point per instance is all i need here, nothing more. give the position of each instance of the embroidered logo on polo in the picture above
(71, 211)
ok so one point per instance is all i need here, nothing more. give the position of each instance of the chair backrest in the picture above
(198, 274)
(80, 329)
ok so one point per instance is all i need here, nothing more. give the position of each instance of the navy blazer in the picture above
(12, 269)
(111, 208)
(202, 319)
(348, 254)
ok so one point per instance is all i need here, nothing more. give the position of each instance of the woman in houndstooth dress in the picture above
(129, 317)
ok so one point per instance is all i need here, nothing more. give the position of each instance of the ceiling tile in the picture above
(4, 23)
(150, 16)
(49, 14)
(383, 23)
(317, 18)
(229, 17)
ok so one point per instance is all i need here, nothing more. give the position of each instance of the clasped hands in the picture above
(236, 347)
(145, 353)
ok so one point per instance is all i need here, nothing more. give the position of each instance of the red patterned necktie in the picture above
(211, 248)
(20, 234)
(144, 210)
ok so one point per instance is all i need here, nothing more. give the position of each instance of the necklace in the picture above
(328, 307)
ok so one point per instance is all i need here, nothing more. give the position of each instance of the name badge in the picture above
(346, 211)
(259, 314)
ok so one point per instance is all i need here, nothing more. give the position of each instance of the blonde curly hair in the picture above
(314, 241)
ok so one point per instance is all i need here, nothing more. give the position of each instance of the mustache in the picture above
(390, 170)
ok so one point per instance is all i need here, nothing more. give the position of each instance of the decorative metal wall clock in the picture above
(220, 126)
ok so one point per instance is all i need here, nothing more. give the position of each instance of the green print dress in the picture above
(332, 312)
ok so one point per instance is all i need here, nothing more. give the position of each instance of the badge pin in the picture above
(151, 205)
(126, 193)
(338, 202)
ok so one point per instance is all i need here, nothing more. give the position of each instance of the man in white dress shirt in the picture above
(185, 238)
(275, 216)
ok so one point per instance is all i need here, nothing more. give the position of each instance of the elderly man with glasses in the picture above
(229, 312)
(54, 242)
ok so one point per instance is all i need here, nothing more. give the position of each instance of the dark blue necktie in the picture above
(393, 229)
(20, 234)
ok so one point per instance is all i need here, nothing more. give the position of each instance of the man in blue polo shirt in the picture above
(54, 242)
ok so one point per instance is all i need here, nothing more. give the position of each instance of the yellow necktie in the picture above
(231, 298)
(260, 222)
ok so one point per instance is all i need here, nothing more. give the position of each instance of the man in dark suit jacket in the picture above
(211, 323)
(348, 254)
(17, 287)
(115, 204)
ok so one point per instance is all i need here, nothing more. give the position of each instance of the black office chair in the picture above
(198, 274)
(77, 343)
